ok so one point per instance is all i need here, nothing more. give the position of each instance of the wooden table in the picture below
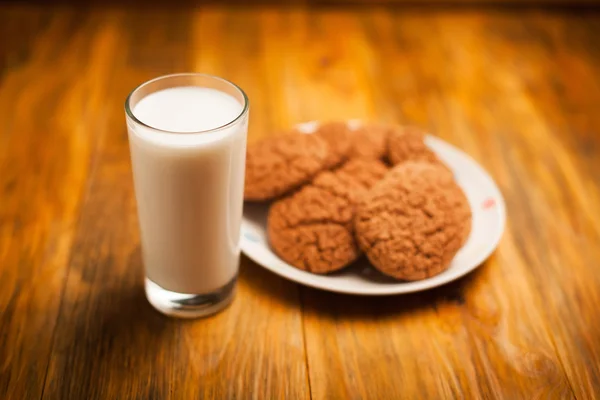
(518, 90)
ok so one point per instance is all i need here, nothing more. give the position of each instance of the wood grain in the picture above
(478, 322)
(518, 91)
(47, 136)
(136, 352)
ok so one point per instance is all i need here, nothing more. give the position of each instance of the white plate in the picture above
(489, 217)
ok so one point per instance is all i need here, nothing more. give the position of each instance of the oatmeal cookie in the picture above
(407, 144)
(370, 141)
(339, 139)
(280, 164)
(412, 222)
(312, 229)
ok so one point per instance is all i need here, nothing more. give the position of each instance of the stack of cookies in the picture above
(341, 192)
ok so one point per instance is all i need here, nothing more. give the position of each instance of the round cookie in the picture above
(279, 164)
(339, 139)
(370, 141)
(312, 229)
(412, 223)
(407, 144)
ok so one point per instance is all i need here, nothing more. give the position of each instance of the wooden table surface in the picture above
(518, 90)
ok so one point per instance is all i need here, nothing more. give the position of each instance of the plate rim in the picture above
(400, 287)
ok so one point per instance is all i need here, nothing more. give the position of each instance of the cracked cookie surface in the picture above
(413, 222)
(312, 229)
(280, 164)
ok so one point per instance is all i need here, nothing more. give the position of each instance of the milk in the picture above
(189, 186)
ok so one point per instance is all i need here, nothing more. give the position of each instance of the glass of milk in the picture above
(187, 137)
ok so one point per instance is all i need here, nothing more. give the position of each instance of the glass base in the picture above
(184, 305)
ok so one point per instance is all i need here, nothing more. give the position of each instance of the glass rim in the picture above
(130, 114)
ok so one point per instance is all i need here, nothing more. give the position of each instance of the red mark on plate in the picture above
(488, 203)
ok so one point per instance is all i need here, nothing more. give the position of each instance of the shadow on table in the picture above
(329, 304)
(265, 283)
(108, 330)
